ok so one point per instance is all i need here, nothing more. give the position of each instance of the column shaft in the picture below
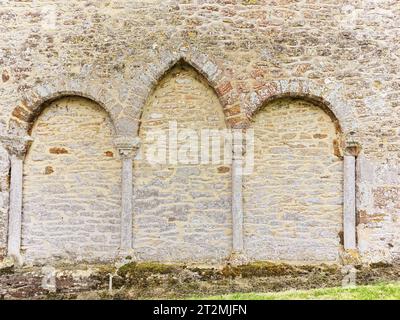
(127, 195)
(349, 202)
(237, 204)
(15, 213)
(126, 145)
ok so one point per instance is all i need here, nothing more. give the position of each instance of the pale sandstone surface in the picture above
(340, 54)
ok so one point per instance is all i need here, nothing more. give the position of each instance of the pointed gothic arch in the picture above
(215, 75)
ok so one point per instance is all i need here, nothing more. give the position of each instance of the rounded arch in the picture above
(74, 167)
(293, 197)
(24, 114)
(329, 100)
(215, 75)
(318, 101)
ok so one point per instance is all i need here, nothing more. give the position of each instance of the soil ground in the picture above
(175, 281)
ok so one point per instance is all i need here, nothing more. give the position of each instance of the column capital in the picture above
(238, 149)
(16, 145)
(127, 145)
(352, 148)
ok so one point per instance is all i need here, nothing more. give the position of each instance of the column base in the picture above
(7, 264)
(350, 257)
(14, 259)
(349, 273)
(125, 256)
(238, 259)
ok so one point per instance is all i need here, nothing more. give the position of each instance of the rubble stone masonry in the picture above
(182, 211)
(71, 184)
(294, 199)
(316, 80)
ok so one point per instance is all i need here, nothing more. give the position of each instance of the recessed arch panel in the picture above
(71, 191)
(182, 211)
(293, 199)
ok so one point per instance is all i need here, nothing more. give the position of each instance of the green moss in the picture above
(269, 269)
(7, 270)
(144, 269)
(230, 272)
(106, 269)
(262, 269)
(380, 265)
(265, 269)
(102, 275)
(207, 274)
(149, 280)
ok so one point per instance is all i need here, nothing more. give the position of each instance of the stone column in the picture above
(127, 147)
(349, 198)
(238, 256)
(349, 205)
(237, 195)
(17, 147)
(15, 213)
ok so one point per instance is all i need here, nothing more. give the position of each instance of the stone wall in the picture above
(293, 200)
(182, 212)
(343, 54)
(378, 210)
(71, 184)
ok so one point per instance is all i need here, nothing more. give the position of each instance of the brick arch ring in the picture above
(25, 113)
(216, 76)
(329, 100)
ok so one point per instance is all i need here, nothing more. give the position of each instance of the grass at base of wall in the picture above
(382, 291)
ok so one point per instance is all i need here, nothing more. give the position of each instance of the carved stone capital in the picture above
(238, 143)
(16, 145)
(238, 150)
(352, 148)
(127, 146)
